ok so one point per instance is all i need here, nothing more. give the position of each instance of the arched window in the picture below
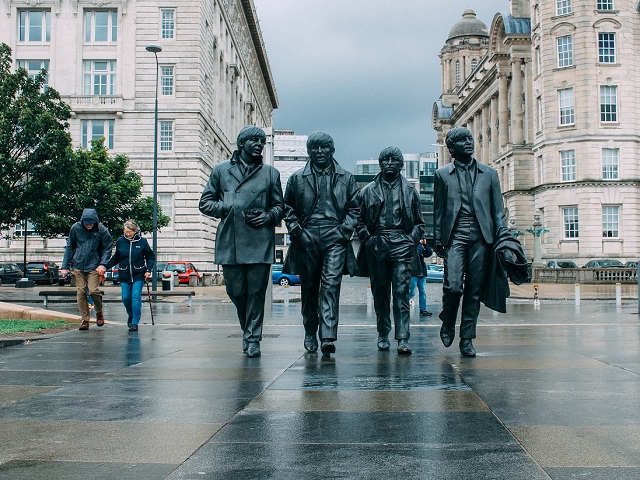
(474, 64)
(458, 73)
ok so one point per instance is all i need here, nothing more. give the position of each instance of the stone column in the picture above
(486, 127)
(516, 102)
(503, 109)
(493, 119)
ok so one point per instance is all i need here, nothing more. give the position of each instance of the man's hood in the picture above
(89, 216)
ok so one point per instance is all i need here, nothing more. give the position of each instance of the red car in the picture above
(184, 269)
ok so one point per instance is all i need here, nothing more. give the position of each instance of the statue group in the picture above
(322, 208)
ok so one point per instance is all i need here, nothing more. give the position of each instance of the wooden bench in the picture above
(166, 293)
(56, 293)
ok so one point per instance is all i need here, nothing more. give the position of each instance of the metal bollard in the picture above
(577, 293)
(618, 294)
(286, 295)
(536, 295)
(369, 296)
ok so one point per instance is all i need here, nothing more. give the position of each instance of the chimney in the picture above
(520, 8)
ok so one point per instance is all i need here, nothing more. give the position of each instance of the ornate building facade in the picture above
(549, 92)
(214, 78)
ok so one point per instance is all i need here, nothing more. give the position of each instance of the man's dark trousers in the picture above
(465, 259)
(247, 286)
(390, 258)
(321, 278)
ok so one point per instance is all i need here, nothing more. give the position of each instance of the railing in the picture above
(97, 102)
(585, 275)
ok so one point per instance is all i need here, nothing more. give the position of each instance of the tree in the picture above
(101, 182)
(35, 145)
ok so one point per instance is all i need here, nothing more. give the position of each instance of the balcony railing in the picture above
(95, 103)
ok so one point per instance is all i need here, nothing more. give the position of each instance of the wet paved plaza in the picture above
(553, 393)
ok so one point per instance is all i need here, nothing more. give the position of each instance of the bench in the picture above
(56, 293)
(166, 293)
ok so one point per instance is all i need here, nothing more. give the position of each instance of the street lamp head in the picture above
(153, 48)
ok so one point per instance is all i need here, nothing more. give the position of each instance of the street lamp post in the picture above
(155, 49)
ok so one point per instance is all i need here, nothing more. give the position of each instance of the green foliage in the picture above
(34, 141)
(22, 326)
(101, 182)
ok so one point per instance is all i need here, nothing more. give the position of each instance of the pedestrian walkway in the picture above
(553, 393)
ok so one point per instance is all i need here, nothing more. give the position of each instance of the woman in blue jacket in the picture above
(135, 260)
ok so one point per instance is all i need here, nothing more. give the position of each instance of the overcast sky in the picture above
(365, 71)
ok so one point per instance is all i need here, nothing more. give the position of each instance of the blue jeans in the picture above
(422, 294)
(132, 299)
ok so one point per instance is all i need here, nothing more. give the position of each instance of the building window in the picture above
(607, 47)
(610, 221)
(101, 26)
(99, 77)
(165, 202)
(34, 67)
(458, 73)
(570, 220)
(563, 7)
(565, 103)
(608, 103)
(568, 165)
(474, 64)
(538, 61)
(19, 230)
(610, 163)
(96, 129)
(167, 23)
(539, 103)
(35, 26)
(605, 4)
(565, 51)
(166, 135)
(166, 80)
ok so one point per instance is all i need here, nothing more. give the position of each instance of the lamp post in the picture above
(155, 49)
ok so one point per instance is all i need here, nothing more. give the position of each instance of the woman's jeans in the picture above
(132, 299)
(422, 294)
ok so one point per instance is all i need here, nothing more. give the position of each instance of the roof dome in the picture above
(468, 26)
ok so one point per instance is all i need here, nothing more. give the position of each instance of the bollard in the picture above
(618, 294)
(286, 295)
(577, 293)
(369, 296)
(536, 295)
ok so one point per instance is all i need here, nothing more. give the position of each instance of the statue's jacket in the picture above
(301, 197)
(227, 195)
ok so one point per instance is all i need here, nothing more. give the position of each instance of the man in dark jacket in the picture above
(389, 227)
(321, 202)
(247, 196)
(468, 210)
(87, 253)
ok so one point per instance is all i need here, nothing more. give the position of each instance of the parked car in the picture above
(561, 264)
(160, 267)
(43, 272)
(10, 273)
(283, 279)
(435, 273)
(603, 264)
(631, 265)
(66, 280)
(113, 275)
(184, 269)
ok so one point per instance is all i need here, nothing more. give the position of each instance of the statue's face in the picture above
(320, 155)
(391, 166)
(251, 151)
(463, 148)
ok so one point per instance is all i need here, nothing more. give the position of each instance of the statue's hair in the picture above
(320, 138)
(391, 152)
(248, 132)
(456, 134)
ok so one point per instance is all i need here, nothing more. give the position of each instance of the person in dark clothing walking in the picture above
(135, 260)
(419, 281)
(468, 211)
(86, 254)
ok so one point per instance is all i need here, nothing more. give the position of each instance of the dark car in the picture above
(42, 272)
(184, 269)
(603, 264)
(113, 275)
(10, 273)
(561, 264)
(160, 267)
(435, 274)
(631, 265)
(283, 279)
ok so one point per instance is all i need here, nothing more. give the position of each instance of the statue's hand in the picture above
(257, 221)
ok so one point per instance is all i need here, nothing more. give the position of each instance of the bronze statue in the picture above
(390, 227)
(468, 212)
(321, 205)
(247, 196)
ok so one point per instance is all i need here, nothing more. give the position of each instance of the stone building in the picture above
(214, 78)
(549, 92)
